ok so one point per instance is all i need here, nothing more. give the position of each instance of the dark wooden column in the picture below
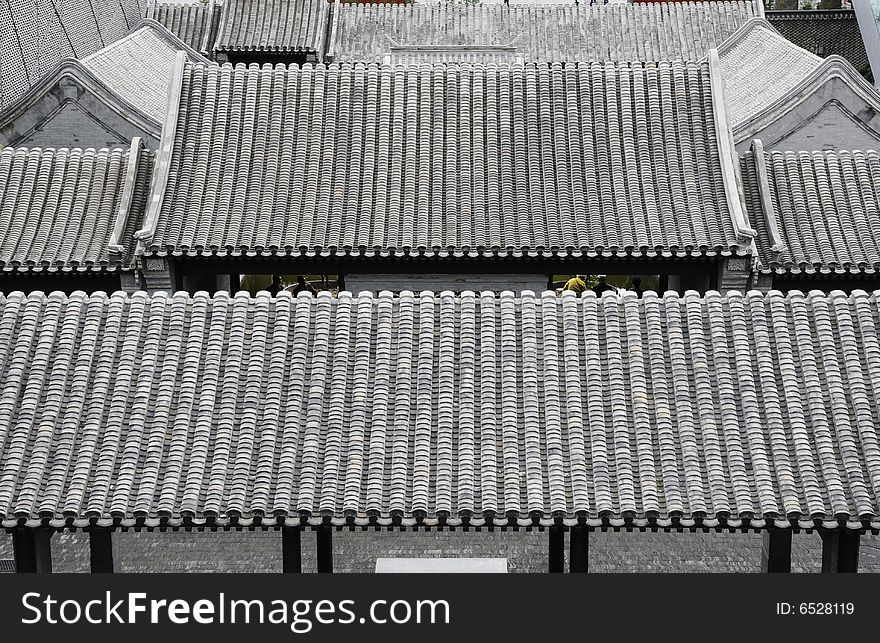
(32, 550)
(557, 549)
(776, 551)
(840, 551)
(579, 554)
(324, 544)
(291, 550)
(103, 554)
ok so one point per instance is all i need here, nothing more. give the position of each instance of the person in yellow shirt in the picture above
(576, 284)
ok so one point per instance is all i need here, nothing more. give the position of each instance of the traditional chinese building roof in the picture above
(824, 33)
(792, 99)
(543, 33)
(815, 212)
(591, 159)
(759, 67)
(140, 65)
(70, 210)
(194, 23)
(671, 411)
(278, 26)
(36, 35)
(106, 99)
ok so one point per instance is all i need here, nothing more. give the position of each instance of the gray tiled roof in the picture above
(59, 208)
(825, 33)
(621, 32)
(139, 66)
(273, 25)
(194, 23)
(720, 408)
(35, 35)
(606, 158)
(760, 66)
(815, 211)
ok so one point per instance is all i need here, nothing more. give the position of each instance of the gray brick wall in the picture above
(357, 551)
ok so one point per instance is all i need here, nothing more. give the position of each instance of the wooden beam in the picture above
(776, 551)
(579, 555)
(324, 544)
(840, 551)
(557, 549)
(291, 550)
(103, 551)
(32, 550)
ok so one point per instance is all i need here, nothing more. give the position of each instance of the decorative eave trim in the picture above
(828, 69)
(777, 244)
(114, 245)
(76, 70)
(426, 254)
(727, 153)
(163, 158)
(186, 520)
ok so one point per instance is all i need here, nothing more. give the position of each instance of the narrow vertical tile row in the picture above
(812, 482)
(293, 412)
(685, 417)
(745, 391)
(447, 400)
(600, 458)
(465, 494)
(673, 496)
(532, 422)
(362, 401)
(206, 402)
(424, 419)
(827, 334)
(110, 427)
(380, 412)
(723, 373)
(575, 425)
(126, 477)
(86, 358)
(866, 383)
(91, 425)
(180, 428)
(490, 366)
(336, 421)
(646, 471)
(404, 365)
(510, 371)
(315, 394)
(552, 390)
(156, 427)
(717, 478)
(252, 396)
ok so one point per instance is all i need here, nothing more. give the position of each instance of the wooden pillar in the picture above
(103, 553)
(776, 551)
(579, 556)
(840, 551)
(324, 542)
(557, 549)
(291, 550)
(32, 550)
